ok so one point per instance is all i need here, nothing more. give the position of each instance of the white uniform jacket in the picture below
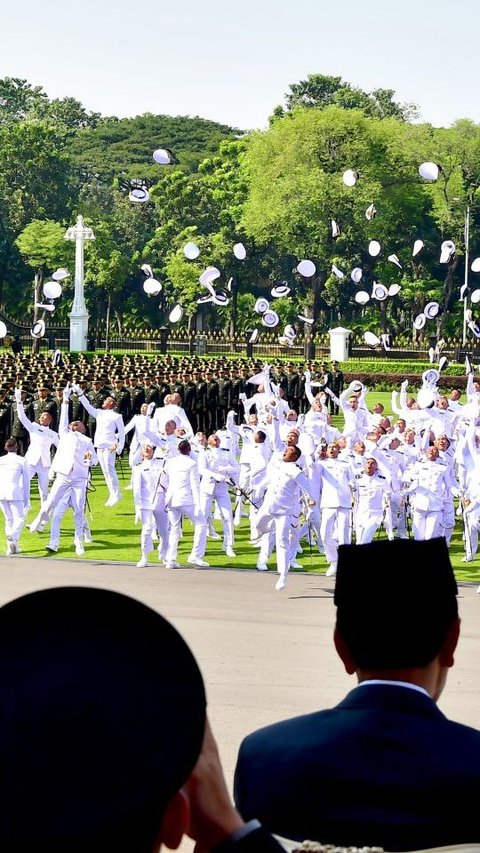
(14, 479)
(75, 453)
(41, 440)
(183, 482)
(109, 427)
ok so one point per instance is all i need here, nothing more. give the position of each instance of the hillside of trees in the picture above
(277, 191)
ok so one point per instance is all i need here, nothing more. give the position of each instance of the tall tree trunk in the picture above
(107, 321)
(118, 318)
(447, 295)
(233, 312)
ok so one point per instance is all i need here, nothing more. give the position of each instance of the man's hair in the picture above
(102, 715)
(184, 447)
(10, 444)
(294, 449)
(395, 602)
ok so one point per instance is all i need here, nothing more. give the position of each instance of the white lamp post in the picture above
(79, 314)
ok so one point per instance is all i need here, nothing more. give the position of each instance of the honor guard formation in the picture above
(228, 439)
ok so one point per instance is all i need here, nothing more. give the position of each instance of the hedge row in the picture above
(393, 381)
(388, 366)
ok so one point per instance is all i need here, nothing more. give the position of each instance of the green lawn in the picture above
(115, 537)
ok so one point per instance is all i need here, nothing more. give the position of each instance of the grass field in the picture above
(115, 536)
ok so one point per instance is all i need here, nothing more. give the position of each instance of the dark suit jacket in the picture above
(384, 768)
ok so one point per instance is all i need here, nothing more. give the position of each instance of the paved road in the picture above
(264, 655)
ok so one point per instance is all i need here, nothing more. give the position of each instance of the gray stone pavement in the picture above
(264, 655)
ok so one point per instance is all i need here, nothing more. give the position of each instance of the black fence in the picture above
(267, 346)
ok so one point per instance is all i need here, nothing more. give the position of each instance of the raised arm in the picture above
(85, 402)
(26, 422)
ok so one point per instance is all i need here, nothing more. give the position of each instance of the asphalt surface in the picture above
(265, 655)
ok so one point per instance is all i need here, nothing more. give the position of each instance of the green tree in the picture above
(296, 189)
(18, 98)
(43, 246)
(322, 90)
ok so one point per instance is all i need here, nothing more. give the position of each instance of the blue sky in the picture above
(234, 62)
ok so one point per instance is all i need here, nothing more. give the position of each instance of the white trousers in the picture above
(57, 516)
(366, 525)
(335, 530)
(279, 534)
(75, 491)
(426, 525)
(175, 516)
(14, 513)
(106, 459)
(226, 515)
(42, 474)
(155, 519)
(244, 484)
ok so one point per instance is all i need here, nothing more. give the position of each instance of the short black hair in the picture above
(397, 614)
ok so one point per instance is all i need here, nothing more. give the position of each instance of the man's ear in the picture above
(344, 653)
(176, 818)
(446, 656)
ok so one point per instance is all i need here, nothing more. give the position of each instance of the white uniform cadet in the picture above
(71, 464)
(183, 499)
(429, 487)
(372, 491)
(139, 425)
(281, 506)
(14, 494)
(150, 483)
(216, 468)
(335, 505)
(42, 439)
(109, 440)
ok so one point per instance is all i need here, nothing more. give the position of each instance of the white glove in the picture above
(307, 375)
(66, 393)
(150, 409)
(18, 395)
(404, 385)
(77, 390)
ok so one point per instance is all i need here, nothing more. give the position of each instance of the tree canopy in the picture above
(277, 191)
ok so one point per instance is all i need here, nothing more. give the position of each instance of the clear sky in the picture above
(233, 62)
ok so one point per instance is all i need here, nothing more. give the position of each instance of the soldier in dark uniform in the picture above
(247, 387)
(303, 403)
(176, 386)
(336, 381)
(292, 388)
(212, 403)
(5, 415)
(189, 396)
(163, 388)
(200, 405)
(44, 402)
(121, 395)
(224, 396)
(152, 393)
(96, 396)
(17, 429)
(236, 388)
(137, 395)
